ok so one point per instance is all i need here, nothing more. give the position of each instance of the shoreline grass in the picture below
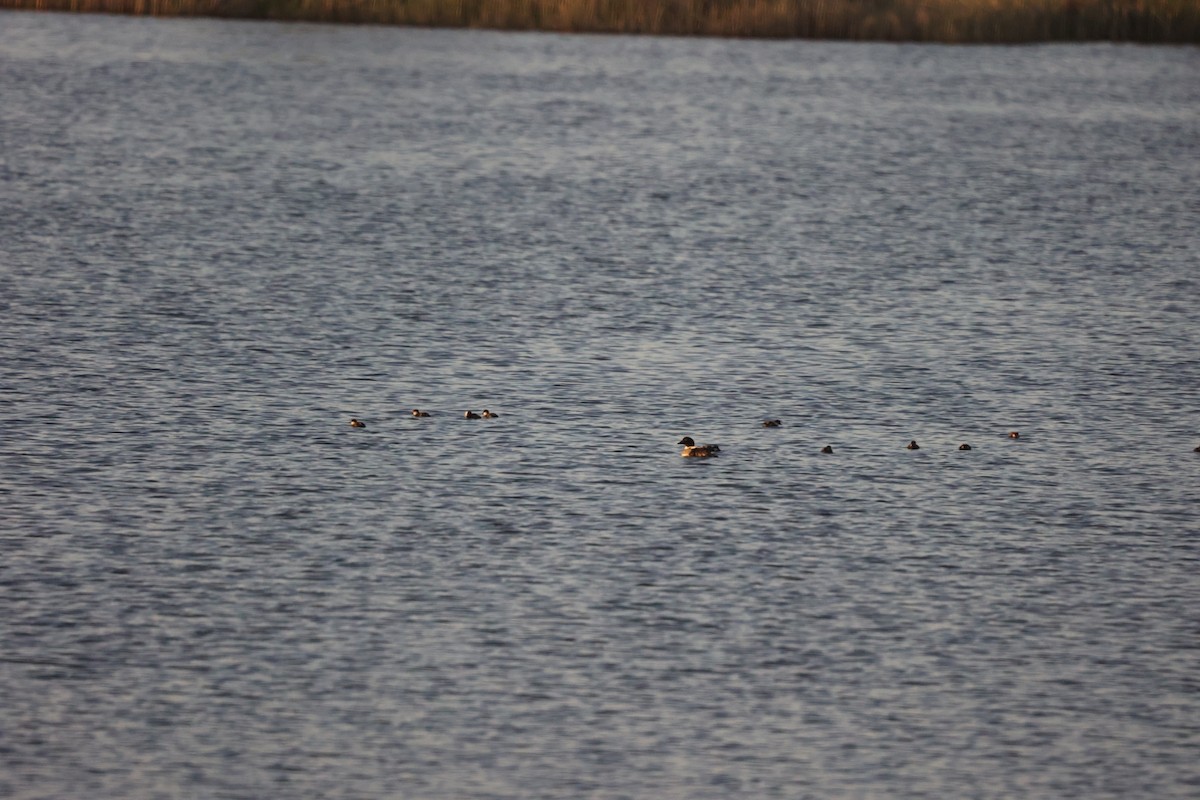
(946, 21)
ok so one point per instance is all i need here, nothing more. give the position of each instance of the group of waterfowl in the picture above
(693, 450)
(416, 412)
(690, 448)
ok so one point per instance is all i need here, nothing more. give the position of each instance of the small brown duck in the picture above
(964, 446)
(771, 423)
(471, 415)
(693, 450)
(913, 445)
(1014, 435)
(827, 450)
(489, 415)
(354, 423)
(419, 413)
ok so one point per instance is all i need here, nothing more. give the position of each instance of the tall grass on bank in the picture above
(961, 21)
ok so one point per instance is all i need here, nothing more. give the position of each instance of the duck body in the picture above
(827, 449)
(355, 423)
(771, 423)
(964, 446)
(693, 450)
(489, 415)
(470, 415)
(913, 445)
(419, 413)
(1014, 435)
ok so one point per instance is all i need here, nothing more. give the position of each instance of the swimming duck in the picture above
(692, 450)
(354, 423)
(771, 423)
(827, 449)
(471, 415)
(964, 447)
(913, 445)
(1197, 450)
(419, 413)
(489, 415)
(1014, 435)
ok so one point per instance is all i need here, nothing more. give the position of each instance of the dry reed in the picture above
(951, 21)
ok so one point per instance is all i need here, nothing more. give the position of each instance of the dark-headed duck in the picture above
(489, 415)
(354, 423)
(419, 413)
(771, 423)
(913, 445)
(1014, 435)
(470, 415)
(827, 449)
(693, 450)
(964, 446)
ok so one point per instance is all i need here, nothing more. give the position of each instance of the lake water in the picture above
(219, 241)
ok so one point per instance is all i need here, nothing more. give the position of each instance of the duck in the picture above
(827, 449)
(419, 413)
(1014, 435)
(489, 415)
(1197, 450)
(913, 445)
(771, 423)
(354, 423)
(693, 450)
(964, 446)
(470, 415)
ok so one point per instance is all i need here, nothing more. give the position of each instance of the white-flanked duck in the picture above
(693, 450)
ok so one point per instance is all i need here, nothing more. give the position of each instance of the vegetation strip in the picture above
(948, 21)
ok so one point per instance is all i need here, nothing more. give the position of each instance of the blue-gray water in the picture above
(219, 241)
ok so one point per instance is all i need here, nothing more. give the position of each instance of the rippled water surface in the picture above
(220, 241)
